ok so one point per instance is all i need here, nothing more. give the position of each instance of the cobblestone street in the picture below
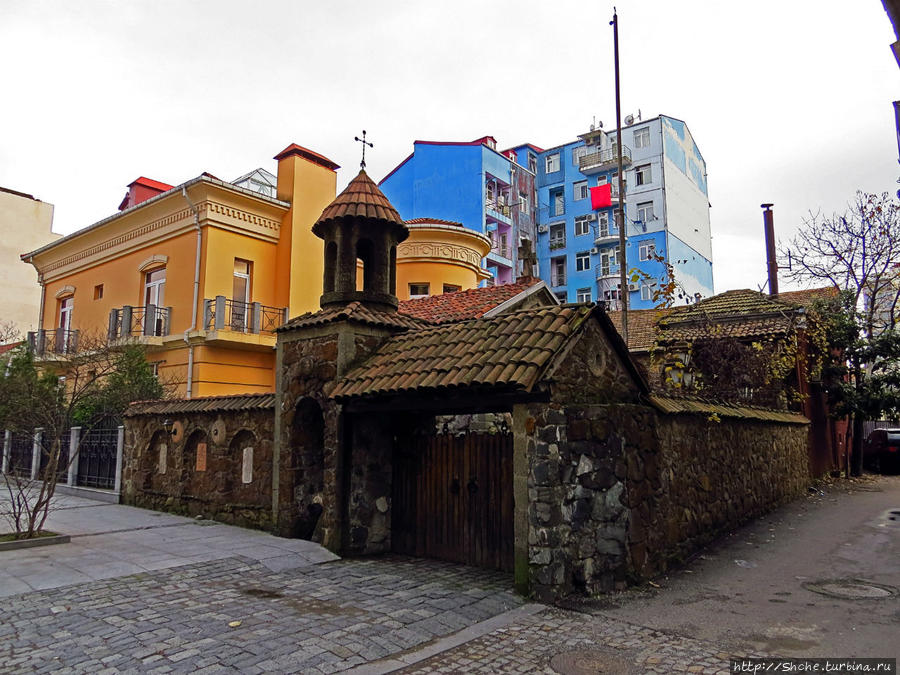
(322, 619)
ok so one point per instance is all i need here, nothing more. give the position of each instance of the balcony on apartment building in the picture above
(498, 210)
(49, 343)
(603, 160)
(237, 322)
(147, 324)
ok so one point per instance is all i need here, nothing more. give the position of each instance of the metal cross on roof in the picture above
(362, 164)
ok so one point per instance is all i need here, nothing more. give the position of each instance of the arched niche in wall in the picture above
(307, 456)
(194, 481)
(156, 460)
(243, 464)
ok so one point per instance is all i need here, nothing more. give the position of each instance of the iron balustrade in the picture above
(220, 313)
(136, 321)
(55, 341)
(97, 458)
(502, 250)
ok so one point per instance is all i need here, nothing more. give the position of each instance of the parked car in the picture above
(881, 450)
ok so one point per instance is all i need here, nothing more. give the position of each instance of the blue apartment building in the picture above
(666, 214)
(473, 184)
(543, 196)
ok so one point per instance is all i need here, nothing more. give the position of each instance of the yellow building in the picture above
(440, 256)
(201, 273)
(25, 224)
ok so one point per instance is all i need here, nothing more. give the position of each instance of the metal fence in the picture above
(97, 463)
(97, 459)
(21, 449)
(46, 449)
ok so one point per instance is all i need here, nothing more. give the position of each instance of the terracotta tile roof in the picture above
(428, 221)
(641, 327)
(470, 304)
(686, 405)
(9, 347)
(306, 153)
(207, 404)
(740, 314)
(509, 351)
(363, 199)
(810, 295)
(355, 312)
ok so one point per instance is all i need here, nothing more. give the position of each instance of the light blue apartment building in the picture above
(666, 213)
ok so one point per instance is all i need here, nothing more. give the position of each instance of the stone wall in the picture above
(310, 465)
(619, 492)
(706, 478)
(218, 465)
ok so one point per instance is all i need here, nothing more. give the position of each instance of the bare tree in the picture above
(857, 252)
(87, 387)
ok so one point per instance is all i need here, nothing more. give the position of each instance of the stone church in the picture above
(581, 480)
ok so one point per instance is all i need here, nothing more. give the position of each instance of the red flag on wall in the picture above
(601, 196)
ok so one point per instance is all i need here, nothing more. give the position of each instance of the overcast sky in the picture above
(789, 101)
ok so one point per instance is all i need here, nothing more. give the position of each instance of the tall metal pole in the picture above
(620, 211)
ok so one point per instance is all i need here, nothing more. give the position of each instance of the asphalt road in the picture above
(751, 591)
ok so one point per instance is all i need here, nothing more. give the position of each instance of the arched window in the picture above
(364, 253)
(330, 266)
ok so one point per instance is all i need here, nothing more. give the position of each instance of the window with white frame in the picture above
(643, 175)
(532, 163)
(646, 292)
(523, 202)
(557, 203)
(489, 191)
(642, 137)
(580, 190)
(647, 251)
(561, 296)
(419, 290)
(578, 153)
(582, 261)
(583, 225)
(602, 179)
(552, 163)
(558, 271)
(645, 212)
(583, 295)
(557, 235)
(603, 225)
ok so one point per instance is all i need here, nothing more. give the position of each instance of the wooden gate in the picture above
(453, 499)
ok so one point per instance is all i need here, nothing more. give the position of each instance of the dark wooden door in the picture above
(453, 499)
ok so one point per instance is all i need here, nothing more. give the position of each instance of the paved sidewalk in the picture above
(111, 540)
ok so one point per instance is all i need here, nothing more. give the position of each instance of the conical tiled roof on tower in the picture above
(363, 199)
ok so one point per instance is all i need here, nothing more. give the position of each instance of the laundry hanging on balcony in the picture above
(601, 196)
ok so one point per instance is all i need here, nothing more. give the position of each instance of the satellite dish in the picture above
(629, 120)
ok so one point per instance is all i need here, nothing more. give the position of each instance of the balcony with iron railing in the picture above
(498, 210)
(603, 160)
(502, 250)
(55, 342)
(235, 317)
(131, 321)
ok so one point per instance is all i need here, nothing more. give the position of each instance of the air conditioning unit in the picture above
(595, 251)
(543, 229)
(634, 287)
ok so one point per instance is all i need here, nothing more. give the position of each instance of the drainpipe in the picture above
(43, 298)
(193, 326)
